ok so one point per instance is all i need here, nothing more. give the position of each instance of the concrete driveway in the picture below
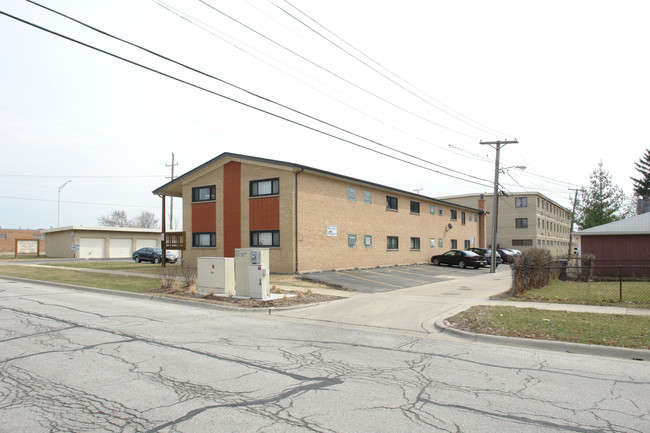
(377, 280)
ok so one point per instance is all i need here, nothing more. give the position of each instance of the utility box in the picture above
(258, 285)
(216, 274)
(244, 257)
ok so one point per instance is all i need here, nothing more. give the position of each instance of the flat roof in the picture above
(100, 229)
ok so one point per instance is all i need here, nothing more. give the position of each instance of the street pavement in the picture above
(80, 361)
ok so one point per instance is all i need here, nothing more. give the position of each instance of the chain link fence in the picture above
(569, 281)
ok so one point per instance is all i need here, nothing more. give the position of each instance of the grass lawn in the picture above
(80, 278)
(113, 266)
(635, 293)
(587, 328)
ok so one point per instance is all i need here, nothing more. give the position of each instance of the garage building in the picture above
(98, 242)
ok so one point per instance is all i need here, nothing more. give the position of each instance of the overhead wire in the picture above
(334, 74)
(482, 127)
(244, 90)
(200, 24)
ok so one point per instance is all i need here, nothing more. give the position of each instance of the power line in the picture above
(427, 101)
(333, 73)
(241, 102)
(200, 24)
(76, 202)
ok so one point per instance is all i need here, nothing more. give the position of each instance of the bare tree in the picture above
(145, 220)
(117, 218)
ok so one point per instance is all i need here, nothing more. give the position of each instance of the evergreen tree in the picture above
(602, 203)
(642, 184)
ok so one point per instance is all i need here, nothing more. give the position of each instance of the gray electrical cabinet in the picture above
(246, 278)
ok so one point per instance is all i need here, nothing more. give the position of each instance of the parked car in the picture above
(507, 255)
(153, 255)
(459, 258)
(487, 255)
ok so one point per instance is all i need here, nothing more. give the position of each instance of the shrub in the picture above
(531, 270)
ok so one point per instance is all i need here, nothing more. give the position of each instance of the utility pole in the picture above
(171, 201)
(573, 219)
(495, 202)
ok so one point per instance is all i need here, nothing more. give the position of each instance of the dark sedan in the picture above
(507, 255)
(153, 255)
(459, 258)
(487, 254)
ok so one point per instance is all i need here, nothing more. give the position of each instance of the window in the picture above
(462, 218)
(261, 188)
(454, 214)
(521, 201)
(432, 242)
(415, 207)
(391, 202)
(268, 238)
(439, 210)
(415, 243)
(454, 244)
(3, 236)
(367, 241)
(521, 223)
(441, 243)
(352, 241)
(467, 245)
(203, 193)
(432, 209)
(392, 243)
(522, 242)
(352, 194)
(204, 240)
(367, 197)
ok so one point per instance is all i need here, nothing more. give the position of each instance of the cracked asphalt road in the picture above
(80, 361)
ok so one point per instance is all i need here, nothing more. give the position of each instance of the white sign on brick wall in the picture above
(331, 231)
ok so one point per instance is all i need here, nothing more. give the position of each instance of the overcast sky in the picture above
(411, 86)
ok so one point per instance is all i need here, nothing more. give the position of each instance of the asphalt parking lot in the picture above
(378, 280)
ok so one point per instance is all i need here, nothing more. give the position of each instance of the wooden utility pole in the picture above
(171, 201)
(573, 219)
(495, 202)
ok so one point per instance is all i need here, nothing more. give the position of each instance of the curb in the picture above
(160, 298)
(554, 346)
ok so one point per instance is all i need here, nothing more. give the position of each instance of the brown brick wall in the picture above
(204, 217)
(8, 244)
(232, 186)
(264, 213)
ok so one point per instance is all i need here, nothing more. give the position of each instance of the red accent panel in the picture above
(204, 217)
(264, 213)
(231, 208)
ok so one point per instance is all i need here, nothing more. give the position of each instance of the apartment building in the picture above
(311, 219)
(525, 220)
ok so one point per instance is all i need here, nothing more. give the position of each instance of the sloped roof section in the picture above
(636, 225)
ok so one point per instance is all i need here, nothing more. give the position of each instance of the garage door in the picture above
(120, 248)
(92, 248)
(145, 243)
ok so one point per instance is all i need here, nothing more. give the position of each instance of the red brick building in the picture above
(8, 239)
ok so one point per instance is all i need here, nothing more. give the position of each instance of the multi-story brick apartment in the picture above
(525, 219)
(313, 219)
(8, 239)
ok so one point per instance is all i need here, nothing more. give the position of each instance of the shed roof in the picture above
(636, 225)
(100, 229)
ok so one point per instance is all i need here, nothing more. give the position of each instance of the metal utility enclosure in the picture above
(216, 273)
(257, 277)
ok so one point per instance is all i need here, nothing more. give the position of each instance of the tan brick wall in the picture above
(323, 202)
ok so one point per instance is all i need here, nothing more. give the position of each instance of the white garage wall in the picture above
(92, 248)
(143, 243)
(120, 248)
